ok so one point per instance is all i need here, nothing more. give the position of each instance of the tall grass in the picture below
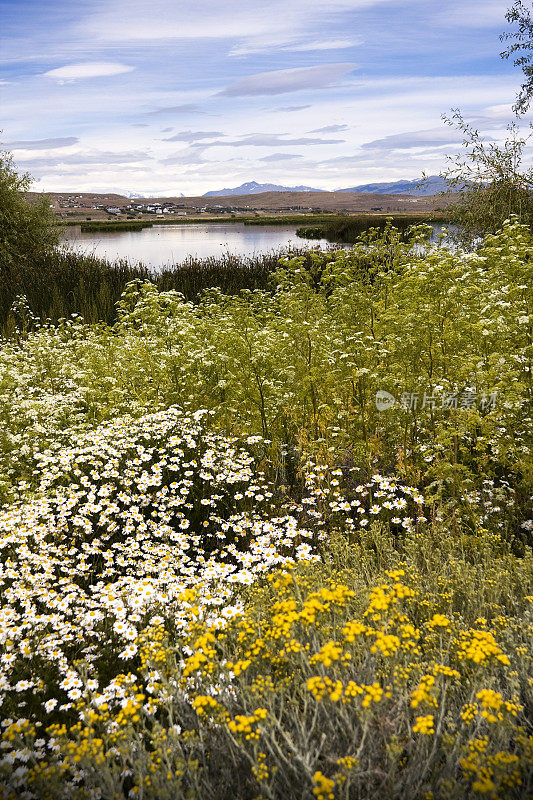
(63, 282)
(106, 227)
(349, 229)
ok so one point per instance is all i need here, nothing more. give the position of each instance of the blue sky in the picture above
(169, 97)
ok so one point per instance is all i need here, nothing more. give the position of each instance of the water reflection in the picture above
(164, 245)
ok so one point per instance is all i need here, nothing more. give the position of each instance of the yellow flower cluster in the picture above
(322, 686)
(385, 596)
(438, 621)
(244, 725)
(204, 704)
(347, 762)
(385, 643)
(260, 768)
(328, 653)
(353, 629)
(357, 671)
(492, 707)
(495, 775)
(323, 787)
(422, 694)
(480, 646)
(424, 725)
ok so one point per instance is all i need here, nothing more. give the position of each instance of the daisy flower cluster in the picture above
(139, 522)
(334, 499)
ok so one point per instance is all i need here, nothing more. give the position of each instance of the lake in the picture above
(165, 245)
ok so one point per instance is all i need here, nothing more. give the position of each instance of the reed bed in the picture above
(348, 229)
(62, 282)
(113, 227)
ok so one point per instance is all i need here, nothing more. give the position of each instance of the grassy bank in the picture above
(103, 227)
(349, 229)
(359, 222)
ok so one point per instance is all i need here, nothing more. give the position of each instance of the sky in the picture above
(169, 98)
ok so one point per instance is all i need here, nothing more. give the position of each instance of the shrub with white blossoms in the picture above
(136, 523)
(335, 499)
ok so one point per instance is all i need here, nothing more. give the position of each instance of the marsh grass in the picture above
(63, 282)
(113, 227)
(348, 229)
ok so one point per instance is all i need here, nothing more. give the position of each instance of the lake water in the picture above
(166, 245)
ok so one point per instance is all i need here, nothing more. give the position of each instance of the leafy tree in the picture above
(494, 184)
(27, 229)
(521, 49)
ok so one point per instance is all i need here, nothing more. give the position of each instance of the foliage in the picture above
(26, 229)
(154, 475)
(349, 229)
(520, 15)
(62, 282)
(493, 182)
(447, 333)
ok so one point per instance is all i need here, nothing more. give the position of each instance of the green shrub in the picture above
(27, 229)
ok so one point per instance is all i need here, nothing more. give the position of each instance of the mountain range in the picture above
(432, 185)
(252, 187)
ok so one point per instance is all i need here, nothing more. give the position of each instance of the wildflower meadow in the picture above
(275, 544)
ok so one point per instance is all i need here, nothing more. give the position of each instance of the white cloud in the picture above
(291, 108)
(475, 13)
(280, 157)
(282, 81)
(330, 129)
(324, 44)
(434, 137)
(270, 140)
(42, 144)
(88, 69)
(193, 136)
(184, 108)
(281, 20)
(296, 46)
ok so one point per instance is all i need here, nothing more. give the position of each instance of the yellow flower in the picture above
(468, 712)
(374, 693)
(388, 644)
(319, 687)
(328, 653)
(438, 621)
(424, 725)
(352, 629)
(479, 646)
(483, 785)
(422, 693)
(323, 788)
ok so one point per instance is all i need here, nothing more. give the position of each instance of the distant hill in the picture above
(252, 187)
(433, 184)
